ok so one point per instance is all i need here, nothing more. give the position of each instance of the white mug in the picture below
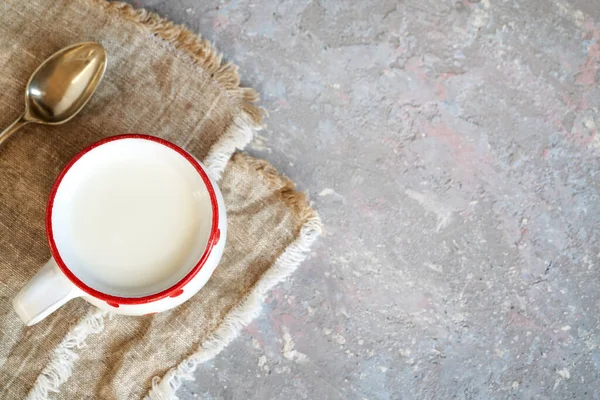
(135, 226)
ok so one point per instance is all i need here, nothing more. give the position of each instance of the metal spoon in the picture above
(61, 86)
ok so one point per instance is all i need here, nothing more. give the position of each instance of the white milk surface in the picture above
(133, 223)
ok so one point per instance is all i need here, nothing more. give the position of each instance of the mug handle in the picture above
(43, 294)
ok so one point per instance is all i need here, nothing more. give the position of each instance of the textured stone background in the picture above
(452, 149)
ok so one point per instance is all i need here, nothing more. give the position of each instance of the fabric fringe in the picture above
(200, 50)
(239, 133)
(240, 316)
(60, 367)
(296, 200)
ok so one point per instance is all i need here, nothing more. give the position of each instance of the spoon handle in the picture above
(12, 128)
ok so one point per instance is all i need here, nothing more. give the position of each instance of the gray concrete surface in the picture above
(452, 149)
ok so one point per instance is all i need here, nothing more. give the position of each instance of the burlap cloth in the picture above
(161, 80)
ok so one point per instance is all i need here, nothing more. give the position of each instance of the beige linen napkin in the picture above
(165, 81)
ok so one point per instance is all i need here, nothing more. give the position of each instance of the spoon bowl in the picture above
(64, 83)
(61, 86)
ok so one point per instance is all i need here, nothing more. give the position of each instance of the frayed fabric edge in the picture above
(200, 50)
(236, 137)
(165, 388)
(60, 367)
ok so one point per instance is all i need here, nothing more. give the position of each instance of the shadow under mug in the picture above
(67, 275)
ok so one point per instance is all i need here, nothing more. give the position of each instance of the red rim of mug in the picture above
(172, 291)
